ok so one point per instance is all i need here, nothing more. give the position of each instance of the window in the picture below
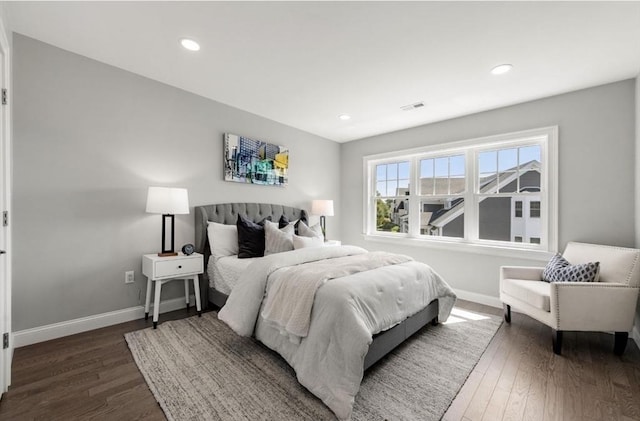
(507, 176)
(392, 188)
(518, 208)
(474, 192)
(442, 183)
(534, 209)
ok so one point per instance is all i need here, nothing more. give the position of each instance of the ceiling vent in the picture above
(412, 106)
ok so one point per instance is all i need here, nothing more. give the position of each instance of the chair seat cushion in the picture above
(535, 293)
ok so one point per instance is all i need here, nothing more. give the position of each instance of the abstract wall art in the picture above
(254, 161)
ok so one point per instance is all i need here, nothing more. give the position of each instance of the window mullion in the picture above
(449, 175)
(470, 197)
(545, 197)
(518, 187)
(414, 198)
(370, 200)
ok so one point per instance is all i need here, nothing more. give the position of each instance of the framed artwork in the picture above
(254, 161)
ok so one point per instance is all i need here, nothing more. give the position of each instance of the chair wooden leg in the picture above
(620, 342)
(557, 341)
(507, 312)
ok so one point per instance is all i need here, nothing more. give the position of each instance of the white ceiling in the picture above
(305, 63)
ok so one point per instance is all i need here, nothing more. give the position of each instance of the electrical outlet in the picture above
(128, 277)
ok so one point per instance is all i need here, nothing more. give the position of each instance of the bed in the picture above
(377, 339)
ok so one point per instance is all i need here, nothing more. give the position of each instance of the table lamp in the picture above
(322, 208)
(168, 201)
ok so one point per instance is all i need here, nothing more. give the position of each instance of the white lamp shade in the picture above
(167, 200)
(322, 207)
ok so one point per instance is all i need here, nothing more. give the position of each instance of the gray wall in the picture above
(596, 182)
(89, 139)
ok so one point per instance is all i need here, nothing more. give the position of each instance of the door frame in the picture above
(5, 202)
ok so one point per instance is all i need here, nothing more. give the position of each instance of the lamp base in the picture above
(168, 254)
(168, 246)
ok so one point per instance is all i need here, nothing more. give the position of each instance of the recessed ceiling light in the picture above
(190, 44)
(501, 69)
(344, 117)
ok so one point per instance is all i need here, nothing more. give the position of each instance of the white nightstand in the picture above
(160, 270)
(329, 243)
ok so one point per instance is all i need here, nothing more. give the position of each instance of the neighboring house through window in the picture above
(500, 190)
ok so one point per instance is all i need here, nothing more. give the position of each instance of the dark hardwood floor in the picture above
(520, 378)
(92, 375)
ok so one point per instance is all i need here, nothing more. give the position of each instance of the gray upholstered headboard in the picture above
(227, 213)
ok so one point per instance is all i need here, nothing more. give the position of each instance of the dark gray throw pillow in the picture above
(560, 270)
(250, 238)
(284, 221)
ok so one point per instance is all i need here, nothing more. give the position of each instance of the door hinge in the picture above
(4, 96)
(5, 218)
(5, 341)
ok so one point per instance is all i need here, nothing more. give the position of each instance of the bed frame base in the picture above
(217, 298)
(383, 342)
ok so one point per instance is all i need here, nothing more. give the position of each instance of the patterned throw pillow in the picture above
(560, 270)
(310, 231)
(277, 240)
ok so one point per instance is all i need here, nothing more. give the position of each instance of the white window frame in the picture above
(546, 137)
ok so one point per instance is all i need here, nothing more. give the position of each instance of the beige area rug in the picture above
(199, 369)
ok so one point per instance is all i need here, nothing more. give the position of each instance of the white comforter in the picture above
(292, 293)
(346, 313)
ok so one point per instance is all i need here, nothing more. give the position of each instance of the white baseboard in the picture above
(84, 324)
(487, 300)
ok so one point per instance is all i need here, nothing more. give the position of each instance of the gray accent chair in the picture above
(608, 305)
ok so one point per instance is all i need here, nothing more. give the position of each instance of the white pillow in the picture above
(223, 239)
(277, 240)
(306, 242)
(306, 231)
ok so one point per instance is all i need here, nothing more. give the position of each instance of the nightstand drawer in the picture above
(177, 267)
